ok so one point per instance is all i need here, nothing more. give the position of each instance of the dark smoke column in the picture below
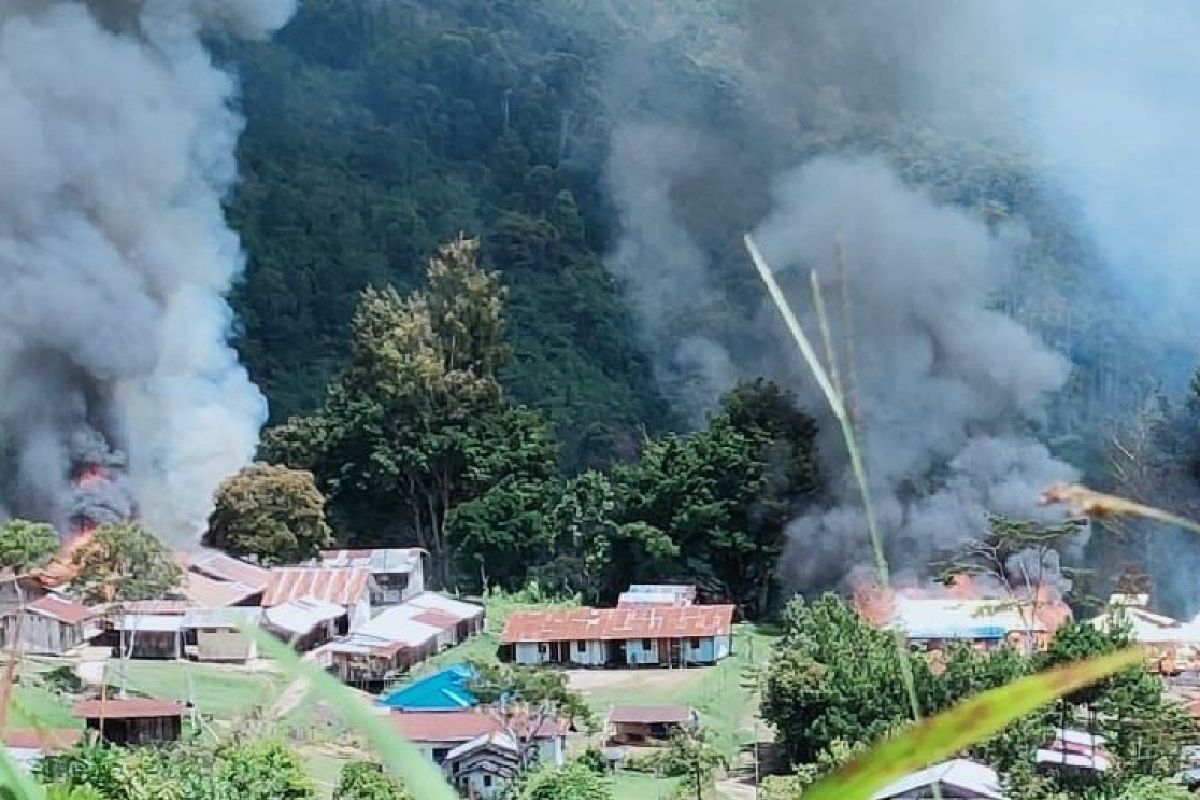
(122, 395)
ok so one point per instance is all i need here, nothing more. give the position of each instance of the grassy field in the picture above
(224, 694)
(636, 786)
(35, 707)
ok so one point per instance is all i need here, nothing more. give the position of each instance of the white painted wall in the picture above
(531, 653)
(637, 653)
(592, 654)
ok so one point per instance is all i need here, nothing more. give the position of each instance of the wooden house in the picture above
(217, 633)
(50, 625)
(631, 724)
(397, 574)
(133, 721)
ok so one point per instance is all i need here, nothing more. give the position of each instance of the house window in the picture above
(542, 648)
(646, 645)
(487, 781)
(695, 643)
(580, 646)
(440, 753)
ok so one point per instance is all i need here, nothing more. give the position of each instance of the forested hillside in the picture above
(376, 131)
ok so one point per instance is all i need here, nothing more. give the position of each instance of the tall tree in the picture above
(271, 512)
(417, 423)
(124, 562)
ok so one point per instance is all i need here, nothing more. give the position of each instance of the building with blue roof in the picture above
(444, 690)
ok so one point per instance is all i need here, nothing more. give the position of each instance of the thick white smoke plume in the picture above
(118, 141)
(771, 131)
(942, 381)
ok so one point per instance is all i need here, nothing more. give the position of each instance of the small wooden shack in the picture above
(218, 635)
(646, 724)
(133, 721)
(50, 625)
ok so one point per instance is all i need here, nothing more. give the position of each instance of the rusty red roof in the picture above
(463, 726)
(31, 739)
(226, 568)
(129, 708)
(437, 618)
(648, 715)
(61, 609)
(617, 623)
(344, 586)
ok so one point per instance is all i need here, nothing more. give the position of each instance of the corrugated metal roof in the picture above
(617, 623)
(657, 595)
(169, 607)
(342, 585)
(212, 593)
(463, 726)
(149, 623)
(649, 715)
(61, 609)
(487, 741)
(978, 779)
(45, 740)
(228, 618)
(440, 602)
(225, 568)
(129, 708)
(380, 560)
(1150, 628)
(301, 616)
(954, 618)
(446, 689)
(394, 625)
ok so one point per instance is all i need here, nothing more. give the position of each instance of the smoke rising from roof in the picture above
(118, 137)
(948, 390)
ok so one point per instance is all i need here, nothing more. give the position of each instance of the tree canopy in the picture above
(271, 512)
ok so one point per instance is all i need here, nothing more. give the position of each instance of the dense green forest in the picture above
(376, 132)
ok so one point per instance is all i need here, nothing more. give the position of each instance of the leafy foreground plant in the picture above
(966, 724)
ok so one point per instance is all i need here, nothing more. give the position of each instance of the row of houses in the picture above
(658, 626)
(366, 612)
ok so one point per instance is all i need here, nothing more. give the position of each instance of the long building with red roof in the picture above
(623, 636)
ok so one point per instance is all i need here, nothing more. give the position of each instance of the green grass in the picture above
(35, 707)
(639, 786)
(720, 694)
(223, 694)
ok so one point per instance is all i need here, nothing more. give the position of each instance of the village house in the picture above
(933, 623)
(146, 636)
(27, 746)
(305, 623)
(464, 620)
(348, 587)
(1074, 751)
(205, 592)
(381, 648)
(220, 567)
(483, 767)
(447, 689)
(437, 733)
(1171, 645)
(398, 574)
(636, 725)
(49, 625)
(133, 721)
(651, 595)
(959, 779)
(215, 634)
(669, 636)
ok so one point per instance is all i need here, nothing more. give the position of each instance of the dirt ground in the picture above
(590, 680)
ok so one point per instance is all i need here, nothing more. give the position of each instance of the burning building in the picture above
(122, 395)
(966, 610)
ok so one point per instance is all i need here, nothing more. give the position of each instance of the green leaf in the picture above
(16, 782)
(403, 760)
(966, 724)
